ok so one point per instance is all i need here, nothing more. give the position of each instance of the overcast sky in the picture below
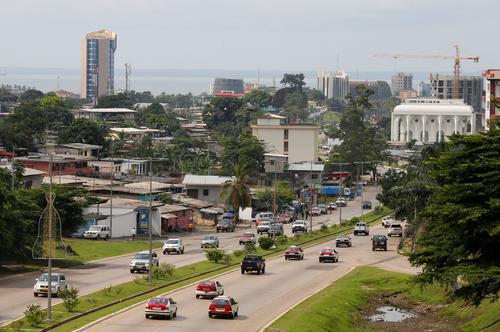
(244, 34)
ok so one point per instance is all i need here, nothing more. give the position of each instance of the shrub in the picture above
(266, 242)
(91, 301)
(226, 259)
(249, 247)
(163, 271)
(378, 209)
(107, 290)
(214, 255)
(282, 239)
(137, 281)
(353, 221)
(297, 236)
(323, 228)
(238, 253)
(34, 314)
(69, 297)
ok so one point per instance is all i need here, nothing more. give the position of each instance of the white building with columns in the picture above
(430, 120)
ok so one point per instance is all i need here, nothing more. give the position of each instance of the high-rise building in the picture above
(229, 85)
(97, 76)
(423, 89)
(491, 96)
(333, 85)
(470, 89)
(401, 81)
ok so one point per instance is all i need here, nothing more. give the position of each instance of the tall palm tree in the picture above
(236, 192)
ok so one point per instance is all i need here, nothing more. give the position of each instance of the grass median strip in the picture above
(123, 295)
(345, 305)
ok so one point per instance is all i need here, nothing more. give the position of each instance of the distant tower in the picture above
(97, 76)
(128, 72)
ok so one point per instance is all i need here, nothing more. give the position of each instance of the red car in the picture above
(328, 254)
(223, 306)
(161, 306)
(211, 288)
(294, 252)
(332, 206)
(248, 238)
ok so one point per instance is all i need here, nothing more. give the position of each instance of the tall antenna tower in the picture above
(128, 72)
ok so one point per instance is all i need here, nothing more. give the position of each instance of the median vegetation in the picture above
(167, 278)
(346, 304)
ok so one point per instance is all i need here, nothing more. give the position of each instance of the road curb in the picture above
(306, 298)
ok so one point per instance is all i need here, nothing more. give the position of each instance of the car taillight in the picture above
(148, 306)
(211, 307)
(212, 288)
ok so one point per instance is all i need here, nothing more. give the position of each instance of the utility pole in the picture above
(111, 198)
(49, 254)
(12, 170)
(312, 198)
(150, 270)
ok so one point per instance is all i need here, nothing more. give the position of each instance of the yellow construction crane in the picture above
(456, 67)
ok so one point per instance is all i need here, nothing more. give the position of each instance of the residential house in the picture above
(205, 187)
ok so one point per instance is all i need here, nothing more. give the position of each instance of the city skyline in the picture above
(195, 35)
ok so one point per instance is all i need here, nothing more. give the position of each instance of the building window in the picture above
(285, 146)
(205, 192)
(314, 176)
(416, 120)
(285, 134)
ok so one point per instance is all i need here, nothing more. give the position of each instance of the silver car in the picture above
(395, 229)
(263, 226)
(58, 282)
(210, 241)
(140, 261)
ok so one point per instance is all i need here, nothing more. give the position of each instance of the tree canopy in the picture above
(295, 81)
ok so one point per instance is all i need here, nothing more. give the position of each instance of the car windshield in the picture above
(299, 222)
(379, 237)
(171, 241)
(395, 226)
(141, 256)
(45, 277)
(293, 249)
(207, 283)
(209, 238)
(159, 300)
(220, 302)
(247, 235)
(224, 222)
(252, 258)
(327, 250)
(94, 228)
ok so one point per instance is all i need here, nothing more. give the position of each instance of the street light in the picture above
(341, 189)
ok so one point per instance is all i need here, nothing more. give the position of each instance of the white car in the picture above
(58, 282)
(263, 227)
(361, 227)
(140, 261)
(387, 221)
(299, 226)
(98, 232)
(173, 245)
(161, 306)
(395, 229)
(210, 241)
(207, 288)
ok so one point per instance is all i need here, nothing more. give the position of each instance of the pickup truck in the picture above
(254, 263)
(361, 227)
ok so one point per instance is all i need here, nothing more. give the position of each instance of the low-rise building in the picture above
(73, 149)
(32, 178)
(491, 96)
(205, 187)
(132, 134)
(61, 164)
(105, 114)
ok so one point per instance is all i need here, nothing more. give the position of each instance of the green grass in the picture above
(87, 250)
(339, 306)
(124, 290)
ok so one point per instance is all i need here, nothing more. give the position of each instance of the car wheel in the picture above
(35, 294)
(164, 252)
(147, 316)
(263, 270)
(169, 317)
(209, 315)
(222, 292)
(242, 271)
(232, 316)
(385, 249)
(258, 271)
(236, 314)
(175, 313)
(240, 243)
(320, 260)
(286, 258)
(197, 296)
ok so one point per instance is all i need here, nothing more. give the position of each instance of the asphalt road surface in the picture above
(17, 292)
(261, 298)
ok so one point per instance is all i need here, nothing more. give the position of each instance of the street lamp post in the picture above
(150, 270)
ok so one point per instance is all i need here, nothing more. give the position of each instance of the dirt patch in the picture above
(427, 316)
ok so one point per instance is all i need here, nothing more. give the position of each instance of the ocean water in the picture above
(169, 81)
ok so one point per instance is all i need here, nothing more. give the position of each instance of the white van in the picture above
(98, 232)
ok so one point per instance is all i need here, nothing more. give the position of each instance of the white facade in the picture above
(333, 85)
(431, 120)
(205, 187)
(299, 142)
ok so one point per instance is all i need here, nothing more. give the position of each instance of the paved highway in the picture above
(262, 297)
(17, 292)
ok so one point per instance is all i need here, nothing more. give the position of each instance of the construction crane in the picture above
(456, 66)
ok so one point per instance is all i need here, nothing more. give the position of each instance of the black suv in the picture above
(253, 263)
(379, 242)
(225, 225)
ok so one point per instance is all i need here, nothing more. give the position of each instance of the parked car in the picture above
(263, 227)
(207, 288)
(367, 205)
(285, 217)
(322, 208)
(379, 242)
(344, 240)
(78, 234)
(328, 254)
(361, 228)
(395, 229)
(57, 283)
(263, 216)
(387, 221)
(229, 216)
(98, 232)
(173, 245)
(253, 263)
(161, 306)
(332, 206)
(140, 261)
(316, 211)
(299, 226)
(341, 202)
(225, 225)
(248, 237)
(294, 252)
(275, 229)
(210, 241)
(223, 306)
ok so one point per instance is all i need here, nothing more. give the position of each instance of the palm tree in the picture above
(236, 192)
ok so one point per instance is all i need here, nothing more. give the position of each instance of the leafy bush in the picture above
(353, 221)
(266, 242)
(34, 314)
(214, 255)
(378, 209)
(297, 236)
(282, 239)
(323, 228)
(91, 301)
(249, 247)
(138, 281)
(238, 253)
(226, 259)
(163, 271)
(69, 297)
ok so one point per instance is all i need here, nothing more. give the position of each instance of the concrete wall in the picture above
(302, 145)
(213, 193)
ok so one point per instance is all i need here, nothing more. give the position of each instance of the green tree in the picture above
(31, 94)
(85, 131)
(258, 98)
(315, 95)
(295, 81)
(220, 112)
(244, 149)
(237, 192)
(120, 100)
(295, 107)
(155, 116)
(460, 245)
(284, 191)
